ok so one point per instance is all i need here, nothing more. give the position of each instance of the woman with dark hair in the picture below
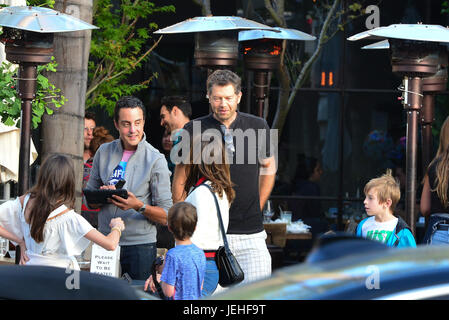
(209, 167)
(44, 224)
(434, 196)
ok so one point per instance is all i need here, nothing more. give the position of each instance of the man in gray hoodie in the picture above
(144, 168)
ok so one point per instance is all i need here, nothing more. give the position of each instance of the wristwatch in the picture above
(142, 209)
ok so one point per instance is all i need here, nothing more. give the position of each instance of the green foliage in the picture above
(118, 49)
(445, 7)
(41, 3)
(46, 93)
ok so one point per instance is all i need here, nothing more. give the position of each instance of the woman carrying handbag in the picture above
(208, 177)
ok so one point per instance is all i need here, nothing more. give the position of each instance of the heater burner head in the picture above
(27, 46)
(414, 58)
(30, 39)
(262, 54)
(437, 82)
(214, 49)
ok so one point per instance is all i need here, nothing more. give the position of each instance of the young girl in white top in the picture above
(209, 167)
(43, 224)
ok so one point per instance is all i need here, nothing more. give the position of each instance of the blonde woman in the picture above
(434, 197)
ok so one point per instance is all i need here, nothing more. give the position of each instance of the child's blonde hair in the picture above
(387, 187)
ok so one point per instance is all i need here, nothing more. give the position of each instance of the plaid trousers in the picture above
(251, 252)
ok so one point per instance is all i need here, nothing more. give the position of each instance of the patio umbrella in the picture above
(9, 155)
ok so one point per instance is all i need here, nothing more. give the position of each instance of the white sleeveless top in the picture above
(207, 235)
(63, 234)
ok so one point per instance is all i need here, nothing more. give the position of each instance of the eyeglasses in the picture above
(219, 99)
(228, 139)
(89, 129)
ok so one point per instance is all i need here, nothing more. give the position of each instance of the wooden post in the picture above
(63, 132)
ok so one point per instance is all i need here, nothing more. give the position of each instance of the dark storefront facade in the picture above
(347, 116)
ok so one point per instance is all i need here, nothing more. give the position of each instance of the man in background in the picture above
(89, 126)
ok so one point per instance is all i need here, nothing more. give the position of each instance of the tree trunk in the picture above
(63, 132)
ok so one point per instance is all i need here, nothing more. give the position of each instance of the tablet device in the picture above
(102, 195)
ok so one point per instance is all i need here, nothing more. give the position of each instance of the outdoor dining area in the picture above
(368, 105)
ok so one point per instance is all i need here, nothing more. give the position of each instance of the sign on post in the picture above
(105, 262)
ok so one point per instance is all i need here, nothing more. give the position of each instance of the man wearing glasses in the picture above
(252, 171)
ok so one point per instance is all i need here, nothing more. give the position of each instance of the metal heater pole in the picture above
(427, 117)
(413, 103)
(27, 92)
(260, 90)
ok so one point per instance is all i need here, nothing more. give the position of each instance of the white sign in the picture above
(105, 262)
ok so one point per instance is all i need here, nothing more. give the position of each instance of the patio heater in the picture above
(261, 51)
(414, 51)
(216, 44)
(431, 86)
(28, 34)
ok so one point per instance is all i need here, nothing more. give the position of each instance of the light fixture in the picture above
(28, 34)
(216, 42)
(261, 51)
(414, 53)
(432, 85)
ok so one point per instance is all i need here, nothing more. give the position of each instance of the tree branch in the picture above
(282, 110)
(110, 77)
(274, 14)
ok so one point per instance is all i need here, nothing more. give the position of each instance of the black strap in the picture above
(223, 232)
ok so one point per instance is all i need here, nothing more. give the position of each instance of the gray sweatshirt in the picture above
(147, 176)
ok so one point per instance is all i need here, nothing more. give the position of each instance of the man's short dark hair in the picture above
(128, 102)
(223, 78)
(182, 219)
(89, 115)
(179, 101)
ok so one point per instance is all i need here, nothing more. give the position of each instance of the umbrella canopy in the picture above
(212, 23)
(42, 20)
(9, 158)
(281, 34)
(417, 32)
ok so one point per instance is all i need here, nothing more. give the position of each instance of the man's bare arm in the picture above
(179, 180)
(266, 180)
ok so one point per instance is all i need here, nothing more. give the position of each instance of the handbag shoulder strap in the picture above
(220, 220)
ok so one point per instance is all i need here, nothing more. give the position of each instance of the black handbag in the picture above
(229, 269)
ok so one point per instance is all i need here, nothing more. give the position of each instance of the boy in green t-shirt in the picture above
(381, 197)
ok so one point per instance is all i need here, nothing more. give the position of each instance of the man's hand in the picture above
(125, 204)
